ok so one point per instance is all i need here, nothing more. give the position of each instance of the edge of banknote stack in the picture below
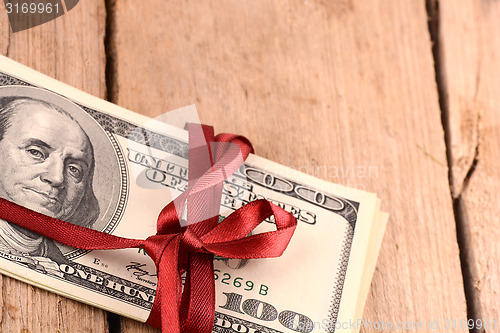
(320, 284)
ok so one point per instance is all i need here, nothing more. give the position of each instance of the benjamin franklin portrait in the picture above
(47, 164)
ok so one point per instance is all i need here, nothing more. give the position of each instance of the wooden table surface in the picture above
(408, 89)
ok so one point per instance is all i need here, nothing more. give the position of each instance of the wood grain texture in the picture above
(342, 90)
(469, 46)
(70, 49)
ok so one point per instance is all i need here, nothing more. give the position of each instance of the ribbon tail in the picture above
(165, 311)
(61, 231)
(198, 298)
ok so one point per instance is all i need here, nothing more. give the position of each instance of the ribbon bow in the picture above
(177, 249)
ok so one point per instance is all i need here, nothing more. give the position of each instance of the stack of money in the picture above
(78, 158)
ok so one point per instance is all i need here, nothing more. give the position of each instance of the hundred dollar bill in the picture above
(78, 158)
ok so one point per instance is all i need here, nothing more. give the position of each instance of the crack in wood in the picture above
(114, 323)
(7, 51)
(473, 164)
(475, 159)
(110, 50)
(114, 320)
(467, 261)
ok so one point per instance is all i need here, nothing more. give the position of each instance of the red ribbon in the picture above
(189, 249)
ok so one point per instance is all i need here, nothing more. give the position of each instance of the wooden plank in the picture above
(71, 49)
(469, 49)
(339, 89)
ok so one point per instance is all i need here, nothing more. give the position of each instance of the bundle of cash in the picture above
(75, 157)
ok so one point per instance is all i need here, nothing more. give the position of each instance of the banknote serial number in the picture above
(32, 8)
(239, 282)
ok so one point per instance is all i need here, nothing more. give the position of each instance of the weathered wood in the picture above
(342, 90)
(129, 325)
(71, 49)
(469, 46)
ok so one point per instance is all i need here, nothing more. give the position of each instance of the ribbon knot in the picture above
(190, 241)
(155, 246)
